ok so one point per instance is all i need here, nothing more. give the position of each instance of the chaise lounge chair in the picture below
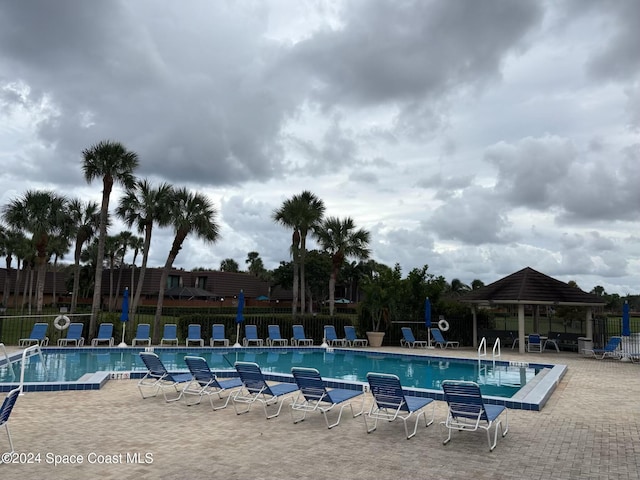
(251, 336)
(439, 340)
(218, 335)
(255, 389)
(352, 339)
(274, 338)
(74, 336)
(194, 335)
(314, 396)
(390, 403)
(408, 340)
(468, 411)
(610, 350)
(205, 382)
(331, 338)
(38, 336)
(169, 334)
(158, 378)
(5, 412)
(105, 335)
(299, 339)
(143, 335)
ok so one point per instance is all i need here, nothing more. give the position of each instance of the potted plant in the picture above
(378, 301)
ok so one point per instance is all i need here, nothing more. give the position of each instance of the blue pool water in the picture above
(416, 371)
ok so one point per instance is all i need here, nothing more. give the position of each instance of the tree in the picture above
(341, 240)
(85, 219)
(457, 288)
(229, 265)
(380, 289)
(302, 213)
(143, 206)
(476, 284)
(43, 215)
(256, 266)
(112, 162)
(190, 213)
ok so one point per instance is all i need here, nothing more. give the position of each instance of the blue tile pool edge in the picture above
(534, 399)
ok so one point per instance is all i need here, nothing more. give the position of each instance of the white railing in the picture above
(496, 346)
(482, 349)
(27, 353)
(9, 362)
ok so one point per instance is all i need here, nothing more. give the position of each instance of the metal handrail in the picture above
(496, 346)
(9, 362)
(482, 349)
(26, 353)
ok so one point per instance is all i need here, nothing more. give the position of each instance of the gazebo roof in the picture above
(531, 287)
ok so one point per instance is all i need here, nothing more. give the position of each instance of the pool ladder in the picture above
(482, 350)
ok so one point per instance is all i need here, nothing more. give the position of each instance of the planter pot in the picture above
(375, 338)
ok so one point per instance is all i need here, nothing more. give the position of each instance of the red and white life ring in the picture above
(61, 322)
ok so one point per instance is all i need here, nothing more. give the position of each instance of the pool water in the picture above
(417, 371)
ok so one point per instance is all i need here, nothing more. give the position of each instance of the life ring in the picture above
(443, 325)
(61, 322)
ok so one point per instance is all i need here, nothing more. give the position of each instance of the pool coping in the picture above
(532, 396)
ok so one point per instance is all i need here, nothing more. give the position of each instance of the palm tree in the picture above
(59, 246)
(302, 213)
(143, 205)
(341, 240)
(136, 244)
(85, 219)
(112, 162)
(111, 251)
(43, 215)
(190, 213)
(124, 241)
(229, 265)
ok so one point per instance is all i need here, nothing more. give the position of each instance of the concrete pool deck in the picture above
(589, 429)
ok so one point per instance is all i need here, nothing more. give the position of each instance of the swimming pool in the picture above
(87, 368)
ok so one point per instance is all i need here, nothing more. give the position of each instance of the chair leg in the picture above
(6, 426)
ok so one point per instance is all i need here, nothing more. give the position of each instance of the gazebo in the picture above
(530, 287)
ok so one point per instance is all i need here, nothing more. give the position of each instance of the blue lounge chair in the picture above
(255, 389)
(408, 340)
(158, 378)
(534, 343)
(5, 412)
(169, 334)
(352, 339)
(331, 338)
(610, 350)
(299, 339)
(143, 335)
(468, 411)
(105, 335)
(439, 340)
(218, 335)
(251, 336)
(274, 338)
(390, 403)
(38, 336)
(205, 382)
(194, 335)
(74, 336)
(314, 396)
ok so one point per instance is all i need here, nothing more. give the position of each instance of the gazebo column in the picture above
(521, 328)
(589, 323)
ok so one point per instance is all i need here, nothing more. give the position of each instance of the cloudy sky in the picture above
(478, 137)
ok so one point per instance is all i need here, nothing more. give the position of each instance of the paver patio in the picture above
(589, 429)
